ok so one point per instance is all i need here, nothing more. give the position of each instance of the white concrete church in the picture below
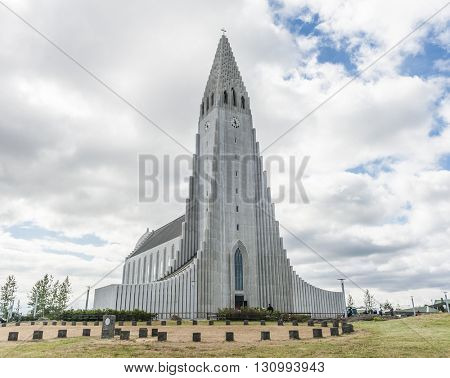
(226, 250)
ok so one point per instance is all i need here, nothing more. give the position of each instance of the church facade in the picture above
(226, 250)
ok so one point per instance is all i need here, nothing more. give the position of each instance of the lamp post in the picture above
(412, 301)
(343, 294)
(87, 297)
(446, 302)
(192, 297)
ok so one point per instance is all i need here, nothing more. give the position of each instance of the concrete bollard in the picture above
(334, 331)
(227, 322)
(265, 335)
(324, 323)
(17, 324)
(86, 332)
(179, 322)
(317, 333)
(280, 322)
(121, 323)
(162, 336)
(62, 333)
(245, 322)
(310, 323)
(13, 336)
(143, 333)
(196, 337)
(117, 331)
(154, 332)
(37, 335)
(211, 322)
(335, 323)
(229, 336)
(262, 322)
(96, 324)
(124, 335)
(149, 322)
(74, 324)
(44, 323)
(54, 323)
(163, 322)
(133, 323)
(194, 322)
(85, 323)
(293, 335)
(295, 322)
(63, 323)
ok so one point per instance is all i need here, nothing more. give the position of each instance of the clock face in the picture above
(206, 125)
(235, 122)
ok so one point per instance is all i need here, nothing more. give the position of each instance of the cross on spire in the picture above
(223, 30)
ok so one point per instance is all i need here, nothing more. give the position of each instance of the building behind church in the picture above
(226, 250)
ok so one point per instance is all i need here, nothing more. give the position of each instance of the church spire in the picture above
(225, 86)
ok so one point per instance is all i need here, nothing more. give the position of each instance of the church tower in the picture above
(226, 250)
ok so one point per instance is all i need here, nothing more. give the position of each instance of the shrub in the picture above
(254, 313)
(96, 315)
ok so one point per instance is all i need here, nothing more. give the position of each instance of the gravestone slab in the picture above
(13, 336)
(125, 335)
(17, 324)
(196, 337)
(117, 331)
(154, 332)
(85, 323)
(143, 333)
(86, 332)
(62, 333)
(335, 323)
(211, 322)
(134, 323)
(295, 322)
(32, 323)
(265, 335)
(3, 324)
(37, 335)
(229, 336)
(227, 322)
(96, 324)
(194, 322)
(317, 333)
(334, 331)
(178, 322)
(74, 324)
(121, 323)
(63, 323)
(108, 326)
(163, 322)
(262, 322)
(280, 322)
(293, 335)
(54, 323)
(311, 323)
(245, 322)
(162, 336)
(149, 322)
(324, 323)
(45, 323)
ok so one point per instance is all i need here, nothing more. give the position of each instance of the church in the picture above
(226, 250)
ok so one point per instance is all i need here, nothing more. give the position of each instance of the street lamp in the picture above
(412, 301)
(343, 294)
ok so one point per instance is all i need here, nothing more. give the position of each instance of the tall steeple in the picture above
(225, 86)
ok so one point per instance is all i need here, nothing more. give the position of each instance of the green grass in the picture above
(423, 336)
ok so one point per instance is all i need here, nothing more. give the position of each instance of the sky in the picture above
(378, 175)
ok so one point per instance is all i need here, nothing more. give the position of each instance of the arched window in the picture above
(238, 271)
(225, 97)
(242, 102)
(212, 99)
(234, 96)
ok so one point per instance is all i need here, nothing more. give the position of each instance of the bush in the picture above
(97, 315)
(254, 313)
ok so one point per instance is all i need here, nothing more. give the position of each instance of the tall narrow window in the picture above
(242, 102)
(233, 93)
(237, 227)
(238, 271)
(225, 97)
(212, 99)
(237, 209)
(203, 108)
(144, 274)
(207, 104)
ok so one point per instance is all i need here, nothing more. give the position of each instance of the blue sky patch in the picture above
(30, 231)
(374, 167)
(444, 162)
(80, 255)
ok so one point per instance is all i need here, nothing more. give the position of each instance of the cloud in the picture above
(378, 178)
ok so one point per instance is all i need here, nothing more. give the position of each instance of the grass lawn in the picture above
(423, 336)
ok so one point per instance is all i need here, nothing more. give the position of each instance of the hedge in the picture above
(253, 313)
(97, 315)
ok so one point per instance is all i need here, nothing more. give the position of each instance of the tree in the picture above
(387, 305)
(7, 295)
(61, 297)
(350, 302)
(369, 301)
(41, 296)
